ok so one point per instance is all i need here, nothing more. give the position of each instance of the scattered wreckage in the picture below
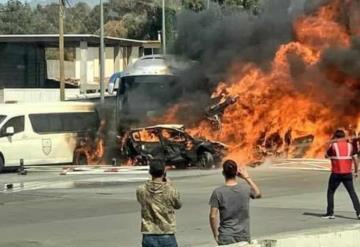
(173, 145)
(215, 111)
(275, 145)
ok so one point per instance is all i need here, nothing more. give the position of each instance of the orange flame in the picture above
(270, 101)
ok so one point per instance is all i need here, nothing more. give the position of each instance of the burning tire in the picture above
(206, 160)
(80, 159)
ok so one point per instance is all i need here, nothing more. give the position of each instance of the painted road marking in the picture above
(28, 186)
(302, 164)
(125, 175)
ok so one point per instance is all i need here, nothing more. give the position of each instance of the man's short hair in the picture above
(157, 168)
(339, 133)
(229, 169)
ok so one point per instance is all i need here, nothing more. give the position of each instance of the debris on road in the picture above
(215, 111)
(22, 170)
(9, 186)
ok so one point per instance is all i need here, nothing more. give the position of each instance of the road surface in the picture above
(46, 209)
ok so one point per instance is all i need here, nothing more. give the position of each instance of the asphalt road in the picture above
(78, 210)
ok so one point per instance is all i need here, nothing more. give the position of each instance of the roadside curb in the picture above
(338, 236)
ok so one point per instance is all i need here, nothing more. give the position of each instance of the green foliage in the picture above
(136, 19)
(195, 5)
(19, 18)
(199, 5)
(15, 17)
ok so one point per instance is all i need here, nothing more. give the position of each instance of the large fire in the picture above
(282, 98)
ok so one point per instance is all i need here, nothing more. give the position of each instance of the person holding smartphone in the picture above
(230, 204)
(158, 199)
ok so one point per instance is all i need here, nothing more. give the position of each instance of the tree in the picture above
(136, 19)
(194, 5)
(116, 29)
(47, 19)
(142, 19)
(75, 18)
(15, 17)
(199, 5)
(19, 18)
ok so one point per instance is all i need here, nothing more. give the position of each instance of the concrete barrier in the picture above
(345, 236)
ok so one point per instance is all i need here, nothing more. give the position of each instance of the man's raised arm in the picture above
(255, 191)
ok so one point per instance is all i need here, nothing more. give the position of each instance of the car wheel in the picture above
(1, 165)
(206, 160)
(80, 160)
(182, 165)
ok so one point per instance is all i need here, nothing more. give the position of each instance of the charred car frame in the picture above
(173, 145)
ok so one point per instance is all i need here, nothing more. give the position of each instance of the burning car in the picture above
(173, 145)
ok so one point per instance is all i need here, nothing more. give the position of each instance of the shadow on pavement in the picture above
(336, 215)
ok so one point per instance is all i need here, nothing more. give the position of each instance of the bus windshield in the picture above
(145, 93)
(151, 84)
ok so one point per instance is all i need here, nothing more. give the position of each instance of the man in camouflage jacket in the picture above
(158, 199)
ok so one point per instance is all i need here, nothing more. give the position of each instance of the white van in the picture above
(43, 133)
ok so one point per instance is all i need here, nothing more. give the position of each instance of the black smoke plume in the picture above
(217, 38)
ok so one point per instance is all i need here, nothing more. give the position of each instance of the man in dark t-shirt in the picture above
(232, 202)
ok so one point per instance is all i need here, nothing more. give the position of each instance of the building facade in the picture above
(24, 64)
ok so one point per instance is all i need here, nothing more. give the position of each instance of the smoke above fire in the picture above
(295, 66)
(217, 38)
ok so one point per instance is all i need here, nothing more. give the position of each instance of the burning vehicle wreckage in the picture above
(173, 145)
(287, 110)
(90, 146)
(274, 145)
(267, 144)
(216, 110)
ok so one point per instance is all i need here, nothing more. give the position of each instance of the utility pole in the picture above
(208, 4)
(61, 50)
(163, 28)
(102, 50)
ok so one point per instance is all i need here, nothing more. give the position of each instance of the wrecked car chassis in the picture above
(172, 145)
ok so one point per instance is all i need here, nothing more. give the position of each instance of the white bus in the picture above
(148, 86)
(43, 133)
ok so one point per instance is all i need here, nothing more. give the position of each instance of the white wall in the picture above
(72, 69)
(134, 54)
(93, 64)
(53, 70)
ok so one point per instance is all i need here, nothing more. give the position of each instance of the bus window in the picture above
(148, 51)
(79, 122)
(64, 122)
